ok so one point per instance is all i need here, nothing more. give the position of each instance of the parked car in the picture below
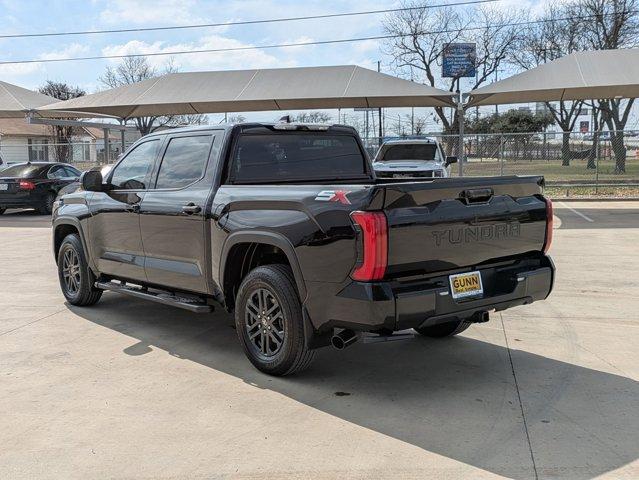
(34, 184)
(288, 227)
(412, 159)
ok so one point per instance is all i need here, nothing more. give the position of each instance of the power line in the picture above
(243, 22)
(281, 45)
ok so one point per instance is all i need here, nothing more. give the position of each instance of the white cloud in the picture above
(241, 59)
(70, 51)
(143, 12)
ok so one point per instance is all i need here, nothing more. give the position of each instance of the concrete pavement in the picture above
(130, 389)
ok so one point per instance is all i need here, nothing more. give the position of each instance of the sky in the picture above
(27, 16)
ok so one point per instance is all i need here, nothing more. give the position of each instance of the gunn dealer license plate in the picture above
(465, 285)
(4, 186)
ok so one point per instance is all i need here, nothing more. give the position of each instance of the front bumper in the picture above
(398, 305)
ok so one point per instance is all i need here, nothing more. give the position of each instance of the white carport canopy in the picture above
(16, 102)
(258, 90)
(601, 74)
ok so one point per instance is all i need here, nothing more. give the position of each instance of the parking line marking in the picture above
(585, 217)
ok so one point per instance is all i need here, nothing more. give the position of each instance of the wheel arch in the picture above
(64, 226)
(239, 244)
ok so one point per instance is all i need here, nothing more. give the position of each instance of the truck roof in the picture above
(410, 141)
(245, 126)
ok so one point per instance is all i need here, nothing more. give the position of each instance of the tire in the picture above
(2, 210)
(442, 330)
(272, 288)
(47, 207)
(76, 282)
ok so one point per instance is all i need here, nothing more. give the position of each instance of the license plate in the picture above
(402, 175)
(4, 186)
(466, 285)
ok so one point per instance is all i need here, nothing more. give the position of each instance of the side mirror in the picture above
(451, 159)
(91, 181)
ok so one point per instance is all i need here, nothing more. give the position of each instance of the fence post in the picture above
(598, 152)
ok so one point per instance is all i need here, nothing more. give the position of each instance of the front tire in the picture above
(269, 322)
(442, 330)
(76, 279)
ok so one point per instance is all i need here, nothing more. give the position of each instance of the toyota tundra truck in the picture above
(287, 226)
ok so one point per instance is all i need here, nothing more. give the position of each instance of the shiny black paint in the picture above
(147, 236)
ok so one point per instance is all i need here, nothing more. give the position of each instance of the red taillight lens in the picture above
(26, 185)
(375, 244)
(549, 221)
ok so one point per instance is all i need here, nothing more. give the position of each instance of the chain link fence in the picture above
(573, 164)
(592, 163)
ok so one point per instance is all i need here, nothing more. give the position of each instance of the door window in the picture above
(56, 172)
(132, 173)
(184, 161)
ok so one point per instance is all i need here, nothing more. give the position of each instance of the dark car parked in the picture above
(34, 185)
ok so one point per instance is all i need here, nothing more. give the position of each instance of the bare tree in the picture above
(556, 36)
(61, 134)
(136, 69)
(312, 117)
(420, 34)
(611, 24)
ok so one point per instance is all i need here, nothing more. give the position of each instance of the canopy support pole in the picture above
(107, 146)
(460, 148)
(122, 139)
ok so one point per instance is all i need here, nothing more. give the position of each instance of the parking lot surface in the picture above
(129, 389)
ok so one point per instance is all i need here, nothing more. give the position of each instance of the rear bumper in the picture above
(401, 305)
(21, 199)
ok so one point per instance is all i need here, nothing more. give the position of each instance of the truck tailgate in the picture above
(453, 223)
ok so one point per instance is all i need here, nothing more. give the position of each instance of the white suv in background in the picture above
(412, 158)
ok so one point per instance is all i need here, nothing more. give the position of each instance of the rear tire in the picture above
(442, 330)
(76, 279)
(269, 322)
(47, 207)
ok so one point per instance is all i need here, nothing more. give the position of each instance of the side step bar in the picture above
(192, 304)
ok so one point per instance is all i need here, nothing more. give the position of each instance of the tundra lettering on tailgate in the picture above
(477, 234)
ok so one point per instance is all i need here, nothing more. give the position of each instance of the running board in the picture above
(187, 303)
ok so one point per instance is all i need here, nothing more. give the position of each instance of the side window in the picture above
(132, 173)
(184, 161)
(56, 172)
(71, 172)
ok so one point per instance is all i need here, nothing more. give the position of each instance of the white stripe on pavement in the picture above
(585, 217)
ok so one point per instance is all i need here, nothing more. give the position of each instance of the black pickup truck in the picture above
(287, 226)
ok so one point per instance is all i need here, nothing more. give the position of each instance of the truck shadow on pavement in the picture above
(454, 397)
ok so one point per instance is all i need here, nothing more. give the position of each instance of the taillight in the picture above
(374, 235)
(27, 185)
(549, 221)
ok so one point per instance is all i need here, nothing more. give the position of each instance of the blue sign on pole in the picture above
(459, 60)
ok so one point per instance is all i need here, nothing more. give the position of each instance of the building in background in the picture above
(21, 142)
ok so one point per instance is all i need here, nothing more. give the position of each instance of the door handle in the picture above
(132, 207)
(191, 208)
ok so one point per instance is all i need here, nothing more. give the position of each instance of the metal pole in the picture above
(501, 155)
(460, 151)
(107, 146)
(379, 110)
(122, 138)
